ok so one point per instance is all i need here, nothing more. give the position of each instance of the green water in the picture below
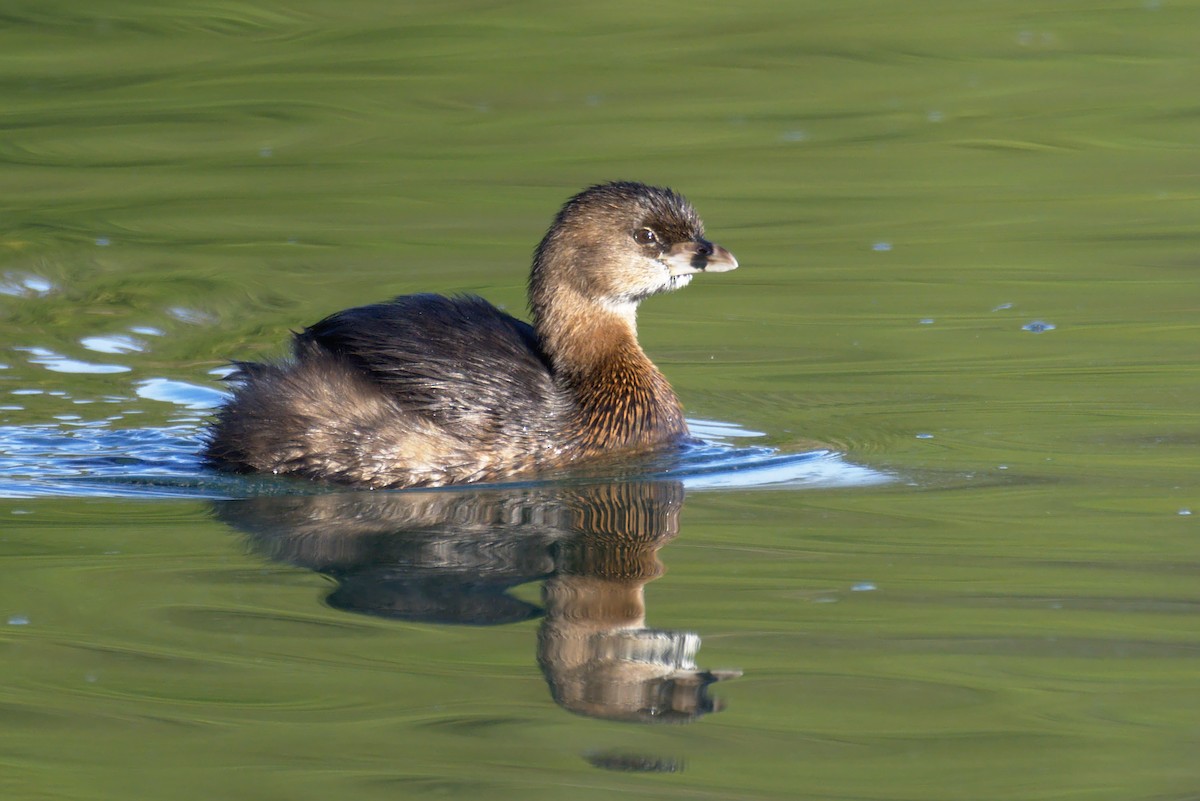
(906, 185)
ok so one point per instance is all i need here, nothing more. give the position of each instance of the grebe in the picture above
(426, 390)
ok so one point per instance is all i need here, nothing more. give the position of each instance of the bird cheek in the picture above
(681, 260)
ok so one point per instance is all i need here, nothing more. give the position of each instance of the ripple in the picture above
(190, 316)
(58, 460)
(114, 343)
(180, 393)
(717, 431)
(56, 362)
(78, 457)
(25, 285)
(710, 468)
(260, 624)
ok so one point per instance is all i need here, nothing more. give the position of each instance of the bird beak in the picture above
(698, 256)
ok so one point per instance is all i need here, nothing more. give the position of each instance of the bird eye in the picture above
(645, 236)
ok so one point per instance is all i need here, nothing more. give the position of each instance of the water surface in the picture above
(943, 526)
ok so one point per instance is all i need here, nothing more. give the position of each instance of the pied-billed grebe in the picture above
(426, 390)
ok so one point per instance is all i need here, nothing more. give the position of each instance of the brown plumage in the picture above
(425, 390)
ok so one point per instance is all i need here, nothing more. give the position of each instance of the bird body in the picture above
(426, 390)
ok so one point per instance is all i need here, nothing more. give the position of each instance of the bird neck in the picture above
(621, 400)
(581, 335)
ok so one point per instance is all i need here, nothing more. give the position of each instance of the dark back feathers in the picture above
(454, 360)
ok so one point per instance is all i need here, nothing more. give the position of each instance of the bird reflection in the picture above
(453, 557)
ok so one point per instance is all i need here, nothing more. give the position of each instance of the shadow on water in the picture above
(453, 557)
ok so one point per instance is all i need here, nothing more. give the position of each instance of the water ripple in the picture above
(92, 459)
(58, 363)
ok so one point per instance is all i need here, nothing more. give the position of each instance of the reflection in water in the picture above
(452, 557)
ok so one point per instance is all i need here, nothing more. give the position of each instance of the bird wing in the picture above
(456, 360)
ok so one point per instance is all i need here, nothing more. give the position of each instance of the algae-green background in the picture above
(905, 184)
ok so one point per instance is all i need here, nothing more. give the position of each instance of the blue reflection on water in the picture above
(79, 457)
(94, 460)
